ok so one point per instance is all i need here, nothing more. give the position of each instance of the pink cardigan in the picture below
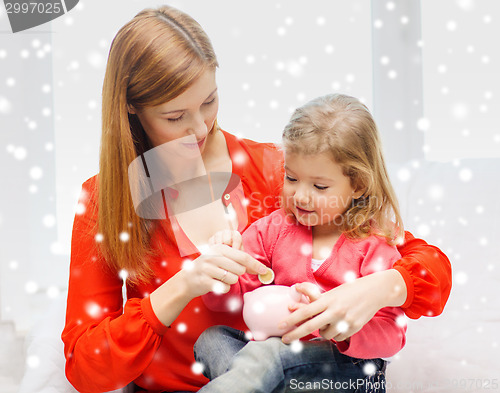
(286, 247)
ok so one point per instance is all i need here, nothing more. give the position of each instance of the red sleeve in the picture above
(427, 274)
(106, 347)
(385, 334)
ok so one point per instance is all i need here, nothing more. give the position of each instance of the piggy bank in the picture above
(265, 307)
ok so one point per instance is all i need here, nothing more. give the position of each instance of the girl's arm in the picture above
(404, 286)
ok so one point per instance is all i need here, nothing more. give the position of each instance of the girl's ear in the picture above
(131, 109)
(356, 194)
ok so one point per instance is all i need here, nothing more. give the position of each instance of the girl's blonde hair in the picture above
(153, 58)
(343, 127)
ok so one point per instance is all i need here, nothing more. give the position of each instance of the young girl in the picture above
(340, 221)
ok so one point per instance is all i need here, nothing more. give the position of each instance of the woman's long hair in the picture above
(342, 127)
(153, 58)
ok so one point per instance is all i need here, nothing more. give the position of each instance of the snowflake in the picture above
(350, 276)
(281, 31)
(53, 292)
(435, 192)
(239, 159)
(296, 346)
(342, 326)
(197, 368)
(5, 106)
(401, 321)
(258, 307)
(49, 220)
(96, 59)
(399, 125)
(369, 368)
(306, 249)
(465, 175)
(466, 5)
(460, 111)
(93, 309)
(234, 304)
(182, 327)
(423, 124)
(442, 69)
(124, 237)
(350, 78)
(404, 174)
(461, 278)
(36, 173)
(219, 288)
(123, 274)
(295, 68)
(451, 25)
(31, 287)
(33, 361)
(423, 230)
(274, 104)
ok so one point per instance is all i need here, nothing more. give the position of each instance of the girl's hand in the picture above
(344, 310)
(229, 238)
(217, 272)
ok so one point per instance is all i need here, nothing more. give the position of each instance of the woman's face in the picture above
(185, 120)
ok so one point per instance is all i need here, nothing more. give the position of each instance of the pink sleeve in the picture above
(258, 241)
(384, 335)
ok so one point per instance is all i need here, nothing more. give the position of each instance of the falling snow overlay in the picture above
(428, 71)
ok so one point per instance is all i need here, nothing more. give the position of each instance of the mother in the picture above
(160, 88)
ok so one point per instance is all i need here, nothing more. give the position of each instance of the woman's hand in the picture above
(344, 310)
(218, 271)
(206, 273)
(229, 238)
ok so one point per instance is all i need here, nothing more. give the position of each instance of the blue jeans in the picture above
(235, 364)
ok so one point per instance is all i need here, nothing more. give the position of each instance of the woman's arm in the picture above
(108, 346)
(426, 272)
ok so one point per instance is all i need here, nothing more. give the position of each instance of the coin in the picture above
(267, 278)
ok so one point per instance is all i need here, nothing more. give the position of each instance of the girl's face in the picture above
(315, 189)
(185, 120)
